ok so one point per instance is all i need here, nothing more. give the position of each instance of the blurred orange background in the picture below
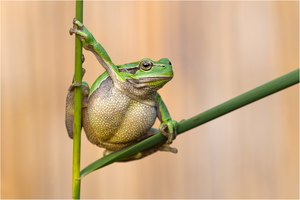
(218, 49)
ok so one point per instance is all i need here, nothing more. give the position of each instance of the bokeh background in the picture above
(218, 49)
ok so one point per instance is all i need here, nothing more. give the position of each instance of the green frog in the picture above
(122, 105)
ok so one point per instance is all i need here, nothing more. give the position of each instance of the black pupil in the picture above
(170, 63)
(146, 64)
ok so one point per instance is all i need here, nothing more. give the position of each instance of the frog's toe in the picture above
(72, 31)
(76, 22)
(169, 136)
(168, 148)
(106, 152)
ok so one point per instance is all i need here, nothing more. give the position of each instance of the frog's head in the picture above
(148, 74)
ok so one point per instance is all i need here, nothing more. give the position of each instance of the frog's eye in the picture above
(146, 65)
(170, 63)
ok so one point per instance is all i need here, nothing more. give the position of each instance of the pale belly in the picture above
(113, 121)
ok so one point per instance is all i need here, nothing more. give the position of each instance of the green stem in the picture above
(77, 109)
(251, 96)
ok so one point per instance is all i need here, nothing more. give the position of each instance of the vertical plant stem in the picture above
(77, 109)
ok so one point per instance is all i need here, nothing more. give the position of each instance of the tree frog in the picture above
(122, 104)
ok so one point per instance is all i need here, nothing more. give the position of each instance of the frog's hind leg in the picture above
(164, 147)
(69, 118)
(147, 152)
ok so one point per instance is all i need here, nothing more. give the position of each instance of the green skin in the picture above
(121, 106)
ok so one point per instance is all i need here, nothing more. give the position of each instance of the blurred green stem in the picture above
(77, 108)
(251, 96)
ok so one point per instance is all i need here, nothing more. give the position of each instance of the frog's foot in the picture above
(77, 25)
(167, 148)
(75, 84)
(134, 157)
(84, 86)
(83, 33)
(168, 129)
(164, 147)
(143, 154)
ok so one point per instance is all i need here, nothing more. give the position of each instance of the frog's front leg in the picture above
(90, 43)
(168, 126)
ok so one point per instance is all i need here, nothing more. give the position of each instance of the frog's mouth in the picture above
(153, 79)
(149, 81)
